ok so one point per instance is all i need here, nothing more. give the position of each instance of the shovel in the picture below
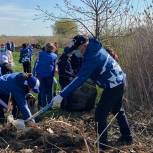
(20, 124)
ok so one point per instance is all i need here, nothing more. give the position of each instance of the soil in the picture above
(75, 134)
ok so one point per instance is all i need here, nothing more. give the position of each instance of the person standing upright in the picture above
(45, 68)
(25, 58)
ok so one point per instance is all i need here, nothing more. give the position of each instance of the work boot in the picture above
(128, 140)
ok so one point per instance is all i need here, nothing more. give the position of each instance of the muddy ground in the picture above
(71, 133)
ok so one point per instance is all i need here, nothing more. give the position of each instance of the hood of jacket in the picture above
(93, 48)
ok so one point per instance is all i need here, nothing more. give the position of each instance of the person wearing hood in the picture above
(104, 70)
(14, 87)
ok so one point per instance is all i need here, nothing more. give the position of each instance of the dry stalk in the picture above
(106, 128)
(121, 151)
(5, 143)
(86, 144)
(63, 123)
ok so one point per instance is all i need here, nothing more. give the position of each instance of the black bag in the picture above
(83, 99)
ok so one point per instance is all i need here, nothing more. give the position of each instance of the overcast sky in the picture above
(16, 16)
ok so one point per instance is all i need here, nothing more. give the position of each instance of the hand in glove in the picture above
(10, 119)
(57, 101)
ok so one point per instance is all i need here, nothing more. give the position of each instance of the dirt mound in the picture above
(40, 139)
(74, 133)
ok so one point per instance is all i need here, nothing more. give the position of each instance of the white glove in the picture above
(57, 101)
(10, 119)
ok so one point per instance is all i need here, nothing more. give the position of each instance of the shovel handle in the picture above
(44, 109)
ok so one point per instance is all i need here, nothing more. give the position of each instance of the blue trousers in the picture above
(45, 95)
(111, 101)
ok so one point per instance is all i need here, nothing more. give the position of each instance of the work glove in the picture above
(57, 101)
(18, 123)
(10, 119)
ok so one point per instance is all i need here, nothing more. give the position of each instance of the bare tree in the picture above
(93, 16)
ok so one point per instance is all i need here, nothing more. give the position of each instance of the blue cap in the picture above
(33, 83)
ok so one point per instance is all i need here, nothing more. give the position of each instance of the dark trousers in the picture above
(111, 101)
(64, 81)
(5, 99)
(45, 95)
(27, 67)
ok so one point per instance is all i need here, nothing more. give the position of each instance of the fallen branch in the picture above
(5, 143)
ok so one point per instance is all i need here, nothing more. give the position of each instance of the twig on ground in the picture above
(63, 123)
(113, 148)
(5, 143)
(86, 144)
(106, 128)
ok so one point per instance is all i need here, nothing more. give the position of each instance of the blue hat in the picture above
(33, 83)
(75, 43)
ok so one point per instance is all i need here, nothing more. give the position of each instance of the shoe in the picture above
(125, 140)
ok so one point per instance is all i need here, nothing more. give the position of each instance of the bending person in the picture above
(18, 85)
(107, 74)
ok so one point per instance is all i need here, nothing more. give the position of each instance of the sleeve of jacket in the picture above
(22, 105)
(85, 72)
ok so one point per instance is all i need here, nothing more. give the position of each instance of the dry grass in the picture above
(18, 40)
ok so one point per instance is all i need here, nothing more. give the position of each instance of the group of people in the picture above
(92, 61)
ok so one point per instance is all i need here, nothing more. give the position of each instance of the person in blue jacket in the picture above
(18, 85)
(25, 58)
(45, 68)
(107, 74)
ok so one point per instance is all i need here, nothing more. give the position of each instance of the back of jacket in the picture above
(46, 64)
(14, 84)
(25, 55)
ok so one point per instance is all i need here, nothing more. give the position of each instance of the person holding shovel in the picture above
(107, 74)
(14, 87)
